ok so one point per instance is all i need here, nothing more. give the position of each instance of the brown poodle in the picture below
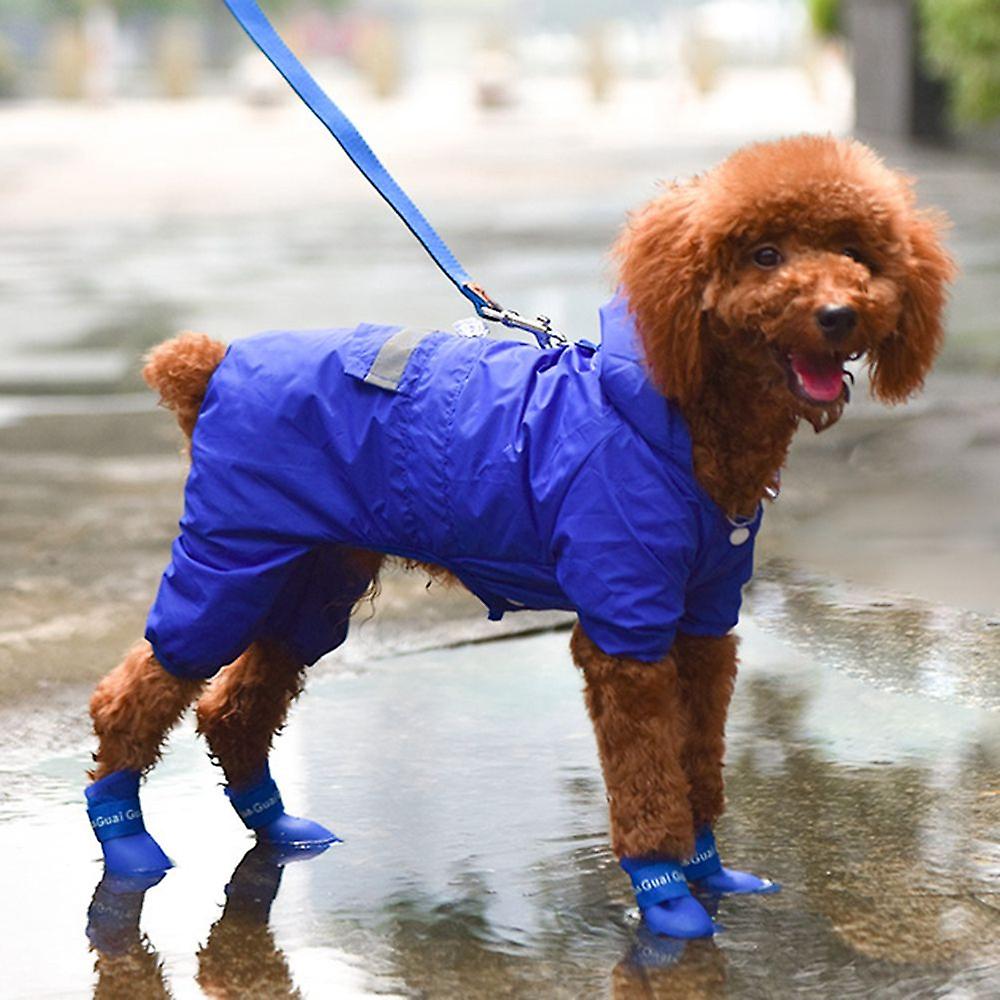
(748, 288)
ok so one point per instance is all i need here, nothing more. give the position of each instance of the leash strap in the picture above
(255, 23)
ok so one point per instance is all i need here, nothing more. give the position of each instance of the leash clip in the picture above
(490, 309)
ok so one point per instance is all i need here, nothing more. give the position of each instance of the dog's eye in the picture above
(767, 257)
(854, 253)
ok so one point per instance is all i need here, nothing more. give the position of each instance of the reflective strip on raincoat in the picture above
(555, 479)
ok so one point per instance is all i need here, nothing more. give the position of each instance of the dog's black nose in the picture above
(836, 322)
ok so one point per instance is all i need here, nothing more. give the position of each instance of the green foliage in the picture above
(962, 41)
(825, 16)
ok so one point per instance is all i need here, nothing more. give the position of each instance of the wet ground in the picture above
(865, 740)
(864, 748)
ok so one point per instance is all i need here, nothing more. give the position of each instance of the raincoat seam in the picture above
(418, 368)
(447, 465)
(404, 449)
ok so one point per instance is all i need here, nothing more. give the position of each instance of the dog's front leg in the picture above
(637, 712)
(640, 725)
(707, 672)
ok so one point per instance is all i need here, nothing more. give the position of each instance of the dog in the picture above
(625, 482)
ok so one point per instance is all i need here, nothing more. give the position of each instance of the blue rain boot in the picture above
(706, 872)
(115, 815)
(260, 808)
(665, 900)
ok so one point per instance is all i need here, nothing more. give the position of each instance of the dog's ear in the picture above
(899, 364)
(663, 274)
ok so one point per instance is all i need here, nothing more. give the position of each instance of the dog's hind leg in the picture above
(248, 703)
(133, 709)
(707, 672)
(239, 716)
(636, 711)
(245, 706)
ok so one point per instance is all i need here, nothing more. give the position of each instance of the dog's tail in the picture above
(179, 370)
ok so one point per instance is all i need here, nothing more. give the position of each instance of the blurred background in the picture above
(156, 174)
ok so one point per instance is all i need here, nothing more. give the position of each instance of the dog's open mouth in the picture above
(817, 378)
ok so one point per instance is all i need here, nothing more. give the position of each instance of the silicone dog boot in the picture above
(665, 900)
(116, 817)
(260, 808)
(705, 870)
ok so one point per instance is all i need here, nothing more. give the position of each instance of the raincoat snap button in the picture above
(739, 536)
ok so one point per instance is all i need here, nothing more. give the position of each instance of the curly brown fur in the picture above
(245, 706)
(641, 728)
(707, 670)
(179, 370)
(133, 709)
(717, 330)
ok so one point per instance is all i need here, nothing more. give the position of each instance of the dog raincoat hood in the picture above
(544, 479)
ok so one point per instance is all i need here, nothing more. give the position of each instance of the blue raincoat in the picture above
(541, 478)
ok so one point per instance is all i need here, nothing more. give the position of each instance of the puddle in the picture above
(475, 862)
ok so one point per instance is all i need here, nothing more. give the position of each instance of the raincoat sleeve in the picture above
(713, 607)
(215, 598)
(624, 553)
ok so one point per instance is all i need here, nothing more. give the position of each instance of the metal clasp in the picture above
(490, 309)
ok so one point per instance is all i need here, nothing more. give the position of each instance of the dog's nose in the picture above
(836, 322)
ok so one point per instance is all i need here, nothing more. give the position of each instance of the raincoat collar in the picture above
(626, 383)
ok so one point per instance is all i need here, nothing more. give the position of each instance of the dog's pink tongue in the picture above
(821, 377)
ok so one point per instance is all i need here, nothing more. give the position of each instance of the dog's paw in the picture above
(137, 854)
(291, 831)
(729, 880)
(682, 917)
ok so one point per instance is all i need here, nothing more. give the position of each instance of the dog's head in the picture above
(794, 256)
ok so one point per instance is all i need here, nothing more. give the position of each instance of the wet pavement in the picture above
(865, 740)
(475, 863)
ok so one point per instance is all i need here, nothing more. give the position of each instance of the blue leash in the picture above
(255, 23)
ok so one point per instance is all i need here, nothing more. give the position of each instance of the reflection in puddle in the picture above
(127, 963)
(902, 644)
(240, 957)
